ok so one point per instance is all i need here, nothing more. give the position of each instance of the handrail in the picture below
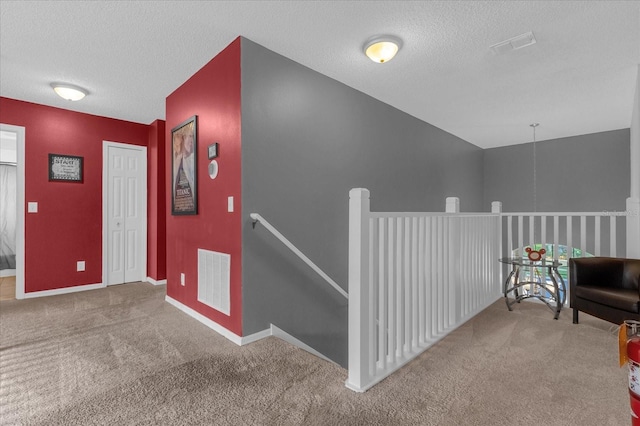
(257, 218)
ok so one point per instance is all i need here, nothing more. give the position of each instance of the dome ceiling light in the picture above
(69, 91)
(382, 49)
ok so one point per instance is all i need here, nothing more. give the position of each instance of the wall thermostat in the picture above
(213, 169)
(212, 151)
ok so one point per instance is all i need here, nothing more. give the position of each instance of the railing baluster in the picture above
(556, 236)
(408, 287)
(428, 276)
(464, 270)
(392, 299)
(597, 236)
(613, 244)
(415, 282)
(400, 279)
(509, 235)
(437, 232)
(374, 316)
(421, 279)
(570, 234)
(383, 328)
(583, 234)
(532, 237)
(520, 233)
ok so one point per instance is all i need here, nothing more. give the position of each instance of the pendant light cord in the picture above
(535, 180)
(535, 176)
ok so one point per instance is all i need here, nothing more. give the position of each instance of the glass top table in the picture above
(534, 279)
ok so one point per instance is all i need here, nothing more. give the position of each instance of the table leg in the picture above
(506, 286)
(550, 271)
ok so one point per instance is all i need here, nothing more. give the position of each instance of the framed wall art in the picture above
(65, 168)
(184, 182)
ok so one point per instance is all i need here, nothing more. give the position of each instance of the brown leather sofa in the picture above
(605, 287)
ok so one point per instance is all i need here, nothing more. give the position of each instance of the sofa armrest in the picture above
(596, 272)
(631, 274)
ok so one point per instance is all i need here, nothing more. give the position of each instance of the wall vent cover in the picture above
(214, 284)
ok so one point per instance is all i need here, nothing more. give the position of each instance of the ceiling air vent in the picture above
(515, 43)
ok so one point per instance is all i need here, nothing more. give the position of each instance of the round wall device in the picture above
(213, 169)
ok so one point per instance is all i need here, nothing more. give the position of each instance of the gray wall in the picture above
(587, 173)
(306, 141)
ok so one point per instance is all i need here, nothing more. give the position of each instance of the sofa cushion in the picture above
(625, 299)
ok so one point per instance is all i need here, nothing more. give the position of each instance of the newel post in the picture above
(452, 205)
(496, 207)
(359, 210)
(633, 228)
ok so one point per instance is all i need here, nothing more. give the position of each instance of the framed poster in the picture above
(65, 168)
(184, 182)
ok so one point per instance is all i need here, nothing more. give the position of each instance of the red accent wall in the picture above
(213, 94)
(68, 225)
(156, 196)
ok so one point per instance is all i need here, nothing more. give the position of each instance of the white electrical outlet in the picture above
(182, 278)
(80, 266)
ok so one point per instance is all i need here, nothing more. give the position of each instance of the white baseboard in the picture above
(156, 282)
(283, 335)
(7, 273)
(238, 340)
(65, 290)
(256, 336)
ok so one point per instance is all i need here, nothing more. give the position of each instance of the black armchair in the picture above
(605, 287)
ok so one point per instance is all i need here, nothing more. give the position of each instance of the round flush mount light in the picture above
(69, 91)
(381, 49)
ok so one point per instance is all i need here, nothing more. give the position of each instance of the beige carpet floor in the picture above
(123, 356)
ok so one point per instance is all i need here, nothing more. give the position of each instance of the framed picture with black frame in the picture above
(66, 168)
(184, 172)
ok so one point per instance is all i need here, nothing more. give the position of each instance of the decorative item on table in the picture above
(535, 255)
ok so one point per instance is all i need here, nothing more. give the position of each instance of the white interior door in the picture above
(17, 134)
(125, 207)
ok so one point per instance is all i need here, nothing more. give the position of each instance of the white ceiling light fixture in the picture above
(381, 49)
(69, 91)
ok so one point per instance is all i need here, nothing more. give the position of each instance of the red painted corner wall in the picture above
(68, 224)
(213, 95)
(156, 211)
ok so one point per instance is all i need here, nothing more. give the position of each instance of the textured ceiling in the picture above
(578, 78)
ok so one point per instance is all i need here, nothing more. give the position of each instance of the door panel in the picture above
(126, 180)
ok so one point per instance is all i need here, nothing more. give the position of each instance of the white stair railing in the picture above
(414, 278)
(257, 218)
(595, 233)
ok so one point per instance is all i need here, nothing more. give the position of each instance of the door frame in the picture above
(105, 206)
(20, 197)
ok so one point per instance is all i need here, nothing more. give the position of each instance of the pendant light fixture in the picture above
(69, 91)
(381, 49)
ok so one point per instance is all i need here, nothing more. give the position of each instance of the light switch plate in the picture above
(230, 204)
(182, 278)
(32, 207)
